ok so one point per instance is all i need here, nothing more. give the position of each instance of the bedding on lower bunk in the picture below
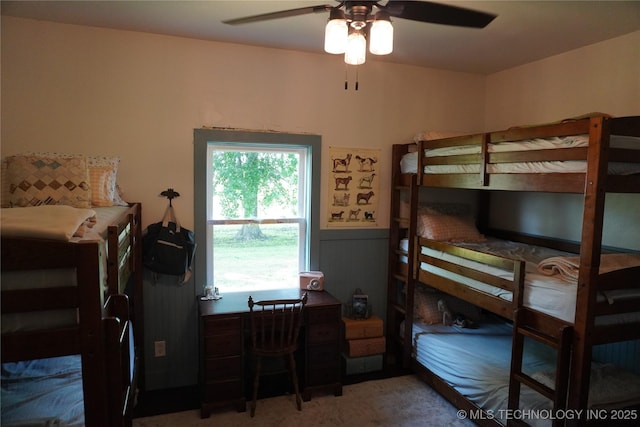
(551, 295)
(409, 162)
(63, 225)
(47, 392)
(43, 390)
(476, 363)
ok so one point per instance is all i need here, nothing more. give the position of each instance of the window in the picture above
(256, 208)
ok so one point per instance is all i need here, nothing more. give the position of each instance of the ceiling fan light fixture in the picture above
(381, 35)
(356, 49)
(336, 32)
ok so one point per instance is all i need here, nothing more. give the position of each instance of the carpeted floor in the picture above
(399, 402)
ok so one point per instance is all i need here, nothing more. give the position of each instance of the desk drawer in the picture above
(214, 325)
(223, 368)
(324, 315)
(323, 333)
(229, 344)
(321, 355)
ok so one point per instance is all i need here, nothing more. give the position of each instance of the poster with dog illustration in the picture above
(353, 187)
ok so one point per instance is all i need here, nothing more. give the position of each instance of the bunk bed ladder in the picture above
(549, 331)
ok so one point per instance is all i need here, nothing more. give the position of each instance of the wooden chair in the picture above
(275, 326)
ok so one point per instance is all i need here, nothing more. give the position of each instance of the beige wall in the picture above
(602, 77)
(106, 92)
(139, 96)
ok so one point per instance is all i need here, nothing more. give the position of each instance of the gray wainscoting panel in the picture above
(170, 315)
(353, 259)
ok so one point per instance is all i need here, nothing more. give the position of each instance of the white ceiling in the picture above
(524, 31)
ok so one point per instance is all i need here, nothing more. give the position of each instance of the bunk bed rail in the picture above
(485, 298)
(479, 166)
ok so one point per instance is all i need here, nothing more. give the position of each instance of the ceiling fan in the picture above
(352, 23)
(423, 11)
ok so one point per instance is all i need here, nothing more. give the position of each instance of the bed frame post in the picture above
(92, 336)
(138, 297)
(591, 246)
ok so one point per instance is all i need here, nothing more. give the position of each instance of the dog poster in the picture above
(353, 187)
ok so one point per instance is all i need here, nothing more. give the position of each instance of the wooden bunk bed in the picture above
(88, 294)
(484, 162)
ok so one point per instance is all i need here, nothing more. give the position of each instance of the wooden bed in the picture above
(102, 334)
(481, 169)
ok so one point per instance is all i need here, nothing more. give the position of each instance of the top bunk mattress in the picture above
(60, 222)
(409, 162)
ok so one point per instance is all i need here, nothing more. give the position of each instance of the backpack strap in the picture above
(170, 216)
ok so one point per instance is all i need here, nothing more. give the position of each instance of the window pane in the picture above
(259, 238)
(255, 184)
(270, 262)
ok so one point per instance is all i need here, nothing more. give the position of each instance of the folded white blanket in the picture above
(568, 267)
(55, 222)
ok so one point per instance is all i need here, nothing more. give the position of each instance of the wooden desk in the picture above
(223, 344)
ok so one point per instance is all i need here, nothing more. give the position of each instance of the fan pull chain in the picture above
(346, 77)
(356, 78)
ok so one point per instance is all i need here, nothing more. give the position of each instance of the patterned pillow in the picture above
(425, 306)
(35, 180)
(101, 186)
(448, 228)
(101, 168)
(108, 166)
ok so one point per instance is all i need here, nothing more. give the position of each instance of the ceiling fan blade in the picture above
(280, 14)
(438, 13)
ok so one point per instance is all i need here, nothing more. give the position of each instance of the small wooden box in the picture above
(362, 328)
(366, 347)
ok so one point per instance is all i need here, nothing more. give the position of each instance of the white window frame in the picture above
(204, 140)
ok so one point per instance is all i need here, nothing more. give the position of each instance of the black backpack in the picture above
(169, 248)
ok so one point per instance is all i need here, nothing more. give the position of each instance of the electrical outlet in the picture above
(160, 348)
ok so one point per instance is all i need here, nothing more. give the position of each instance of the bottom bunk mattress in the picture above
(476, 363)
(43, 392)
(48, 392)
